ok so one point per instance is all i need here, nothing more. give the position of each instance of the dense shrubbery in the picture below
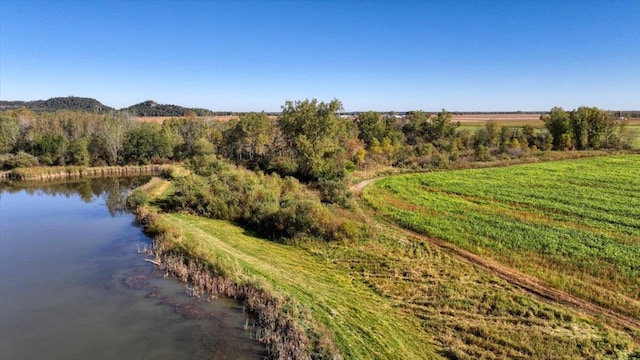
(19, 160)
(279, 208)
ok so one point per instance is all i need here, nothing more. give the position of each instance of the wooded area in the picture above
(309, 139)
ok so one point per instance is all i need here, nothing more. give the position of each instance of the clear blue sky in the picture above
(371, 55)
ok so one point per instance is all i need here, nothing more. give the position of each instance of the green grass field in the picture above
(574, 224)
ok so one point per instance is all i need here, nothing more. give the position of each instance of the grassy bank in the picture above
(321, 299)
(572, 223)
(43, 173)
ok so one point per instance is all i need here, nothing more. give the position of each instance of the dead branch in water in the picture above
(154, 262)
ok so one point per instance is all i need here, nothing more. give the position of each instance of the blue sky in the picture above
(371, 55)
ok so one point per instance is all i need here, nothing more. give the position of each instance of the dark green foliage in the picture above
(78, 152)
(19, 160)
(310, 140)
(137, 198)
(60, 103)
(413, 129)
(584, 128)
(49, 149)
(439, 127)
(588, 125)
(188, 134)
(370, 127)
(334, 191)
(492, 135)
(281, 209)
(147, 143)
(151, 108)
(482, 152)
(557, 122)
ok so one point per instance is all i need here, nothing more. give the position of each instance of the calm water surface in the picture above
(73, 286)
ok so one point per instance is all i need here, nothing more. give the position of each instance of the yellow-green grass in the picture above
(575, 224)
(634, 134)
(364, 324)
(469, 313)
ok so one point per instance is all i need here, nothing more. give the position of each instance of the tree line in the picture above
(308, 140)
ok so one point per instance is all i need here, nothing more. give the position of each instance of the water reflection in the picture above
(73, 286)
(114, 190)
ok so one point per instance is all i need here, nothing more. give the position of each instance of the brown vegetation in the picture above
(51, 173)
(273, 318)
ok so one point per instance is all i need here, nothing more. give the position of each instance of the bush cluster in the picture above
(281, 209)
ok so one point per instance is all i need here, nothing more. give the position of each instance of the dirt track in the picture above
(527, 283)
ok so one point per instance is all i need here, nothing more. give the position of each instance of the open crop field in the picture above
(574, 224)
(476, 121)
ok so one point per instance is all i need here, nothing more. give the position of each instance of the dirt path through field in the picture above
(529, 284)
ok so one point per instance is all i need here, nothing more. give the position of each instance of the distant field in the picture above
(512, 120)
(575, 223)
(161, 119)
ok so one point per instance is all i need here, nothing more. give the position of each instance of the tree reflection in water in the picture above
(114, 189)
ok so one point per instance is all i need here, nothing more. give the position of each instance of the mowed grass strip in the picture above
(574, 223)
(364, 325)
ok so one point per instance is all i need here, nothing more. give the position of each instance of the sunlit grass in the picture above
(575, 224)
(363, 323)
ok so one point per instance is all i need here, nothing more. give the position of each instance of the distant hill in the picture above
(59, 103)
(146, 108)
(151, 108)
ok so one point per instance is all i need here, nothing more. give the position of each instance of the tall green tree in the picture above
(557, 122)
(187, 131)
(147, 143)
(413, 130)
(249, 136)
(9, 133)
(439, 127)
(315, 136)
(370, 126)
(588, 125)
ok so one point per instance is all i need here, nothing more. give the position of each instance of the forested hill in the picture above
(59, 103)
(146, 108)
(151, 108)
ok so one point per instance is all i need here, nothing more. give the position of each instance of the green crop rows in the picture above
(575, 223)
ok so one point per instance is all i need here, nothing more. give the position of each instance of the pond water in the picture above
(73, 285)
